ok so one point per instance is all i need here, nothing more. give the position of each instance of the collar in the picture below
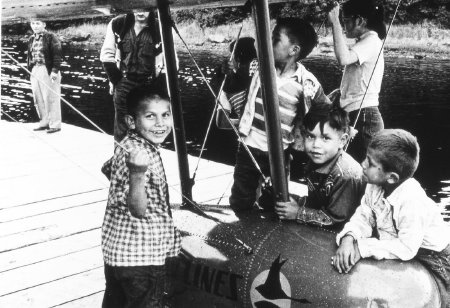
(132, 134)
(408, 187)
(37, 36)
(324, 168)
(368, 33)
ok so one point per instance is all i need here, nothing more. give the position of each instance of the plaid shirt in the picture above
(131, 241)
(37, 51)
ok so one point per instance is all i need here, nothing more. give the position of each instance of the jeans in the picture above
(247, 178)
(438, 263)
(134, 286)
(369, 123)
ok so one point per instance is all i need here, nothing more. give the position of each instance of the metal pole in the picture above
(175, 99)
(270, 99)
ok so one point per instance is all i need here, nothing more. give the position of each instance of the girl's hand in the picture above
(333, 15)
(138, 161)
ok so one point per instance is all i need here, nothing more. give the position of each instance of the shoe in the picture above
(53, 130)
(41, 128)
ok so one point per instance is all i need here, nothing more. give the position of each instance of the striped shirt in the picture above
(37, 51)
(131, 241)
(295, 94)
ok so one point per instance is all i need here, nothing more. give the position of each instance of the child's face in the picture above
(282, 46)
(320, 146)
(37, 26)
(153, 120)
(373, 171)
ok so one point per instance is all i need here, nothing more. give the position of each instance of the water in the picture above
(414, 96)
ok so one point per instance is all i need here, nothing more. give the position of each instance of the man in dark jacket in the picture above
(44, 60)
(131, 55)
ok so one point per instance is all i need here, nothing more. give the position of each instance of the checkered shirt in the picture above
(37, 51)
(131, 241)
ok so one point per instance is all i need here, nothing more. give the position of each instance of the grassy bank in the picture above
(408, 40)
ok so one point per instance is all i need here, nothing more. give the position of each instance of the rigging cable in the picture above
(220, 104)
(215, 107)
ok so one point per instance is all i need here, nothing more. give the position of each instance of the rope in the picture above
(215, 107)
(373, 71)
(220, 104)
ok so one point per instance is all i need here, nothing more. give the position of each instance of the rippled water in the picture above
(414, 96)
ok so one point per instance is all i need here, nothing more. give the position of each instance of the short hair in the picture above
(245, 49)
(142, 93)
(369, 9)
(321, 113)
(299, 32)
(399, 151)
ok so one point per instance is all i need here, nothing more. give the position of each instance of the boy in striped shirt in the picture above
(293, 39)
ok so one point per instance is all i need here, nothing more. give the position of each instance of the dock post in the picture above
(261, 17)
(175, 99)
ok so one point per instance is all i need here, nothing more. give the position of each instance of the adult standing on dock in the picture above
(131, 56)
(43, 60)
(363, 62)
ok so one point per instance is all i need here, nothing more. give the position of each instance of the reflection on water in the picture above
(414, 96)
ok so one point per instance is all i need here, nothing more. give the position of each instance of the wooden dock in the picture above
(52, 202)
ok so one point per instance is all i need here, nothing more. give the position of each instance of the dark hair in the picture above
(245, 49)
(368, 9)
(335, 116)
(299, 32)
(142, 93)
(399, 151)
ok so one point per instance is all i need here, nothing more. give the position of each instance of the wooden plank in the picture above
(52, 249)
(38, 229)
(44, 272)
(94, 300)
(57, 292)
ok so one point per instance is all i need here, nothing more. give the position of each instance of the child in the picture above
(138, 232)
(335, 185)
(293, 39)
(405, 223)
(44, 60)
(363, 21)
(238, 80)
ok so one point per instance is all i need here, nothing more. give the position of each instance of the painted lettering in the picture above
(207, 280)
(219, 282)
(233, 286)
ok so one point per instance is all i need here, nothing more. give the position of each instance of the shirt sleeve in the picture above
(367, 49)
(108, 51)
(345, 196)
(361, 224)
(57, 53)
(411, 231)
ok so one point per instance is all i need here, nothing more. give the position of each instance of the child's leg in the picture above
(438, 263)
(114, 296)
(143, 286)
(246, 180)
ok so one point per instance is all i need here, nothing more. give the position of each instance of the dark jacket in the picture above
(52, 52)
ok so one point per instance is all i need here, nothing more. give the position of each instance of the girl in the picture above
(363, 21)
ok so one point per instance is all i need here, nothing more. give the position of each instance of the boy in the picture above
(138, 232)
(405, 223)
(335, 185)
(44, 61)
(293, 39)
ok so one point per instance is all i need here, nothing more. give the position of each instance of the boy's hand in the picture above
(138, 161)
(228, 67)
(347, 255)
(287, 210)
(333, 15)
(53, 76)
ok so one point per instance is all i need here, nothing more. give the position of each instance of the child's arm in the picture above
(347, 254)
(410, 224)
(137, 162)
(343, 55)
(295, 209)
